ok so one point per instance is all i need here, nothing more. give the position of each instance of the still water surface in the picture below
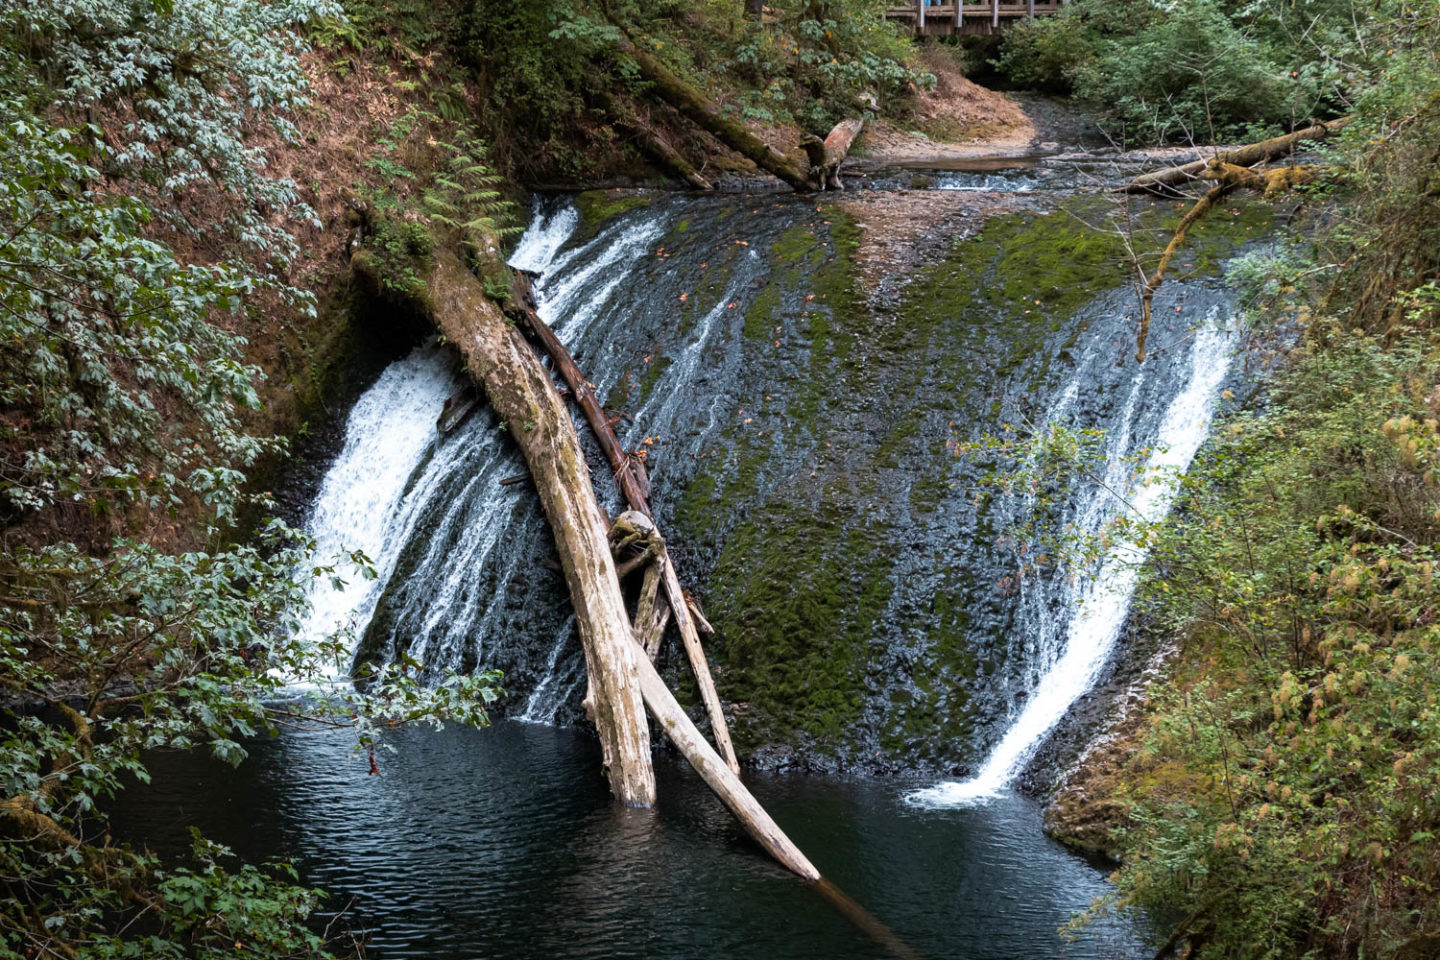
(503, 843)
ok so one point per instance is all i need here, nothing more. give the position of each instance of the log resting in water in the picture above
(1164, 182)
(624, 682)
(630, 476)
(524, 396)
(718, 776)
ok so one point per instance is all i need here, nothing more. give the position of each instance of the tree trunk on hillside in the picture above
(707, 115)
(1164, 182)
(664, 156)
(522, 393)
(704, 113)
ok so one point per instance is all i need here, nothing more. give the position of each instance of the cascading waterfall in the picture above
(659, 307)
(388, 433)
(1100, 606)
(451, 547)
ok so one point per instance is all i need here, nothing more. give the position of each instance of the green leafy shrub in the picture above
(1191, 75)
(134, 614)
(1194, 72)
(1048, 53)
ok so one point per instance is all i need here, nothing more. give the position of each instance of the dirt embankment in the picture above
(960, 119)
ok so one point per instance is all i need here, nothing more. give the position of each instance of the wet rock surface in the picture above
(800, 374)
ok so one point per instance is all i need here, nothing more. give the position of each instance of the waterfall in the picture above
(1099, 607)
(658, 307)
(455, 552)
(388, 433)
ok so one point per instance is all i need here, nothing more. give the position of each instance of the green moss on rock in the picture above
(797, 594)
(599, 207)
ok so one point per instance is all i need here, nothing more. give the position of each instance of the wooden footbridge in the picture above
(927, 18)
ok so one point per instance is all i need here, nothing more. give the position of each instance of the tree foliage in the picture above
(1207, 71)
(139, 225)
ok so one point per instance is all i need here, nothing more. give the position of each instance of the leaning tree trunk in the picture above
(522, 393)
(825, 156)
(662, 154)
(634, 483)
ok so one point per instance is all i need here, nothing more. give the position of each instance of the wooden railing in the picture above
(956, 17)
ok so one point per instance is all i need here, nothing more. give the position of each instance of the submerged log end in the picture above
(719, 777)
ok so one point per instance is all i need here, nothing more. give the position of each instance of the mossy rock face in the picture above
(807, 575)
(798, 594)
(599, 207)
(856, 583)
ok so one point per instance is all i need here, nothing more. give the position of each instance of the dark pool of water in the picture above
(503, 843)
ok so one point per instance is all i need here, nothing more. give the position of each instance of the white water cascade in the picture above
(397, 486)
(1099, 606)
(387, 435)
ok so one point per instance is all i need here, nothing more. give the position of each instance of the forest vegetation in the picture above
(176, 188)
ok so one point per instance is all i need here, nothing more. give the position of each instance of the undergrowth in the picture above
(1285, 798)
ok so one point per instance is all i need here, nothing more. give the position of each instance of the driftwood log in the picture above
(522, 393)
(634, 484)
(1164, 182)
(621, 676)
(623, 680)
(827, 155)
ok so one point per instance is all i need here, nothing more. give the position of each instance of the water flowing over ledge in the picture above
(789, 419)
(1100, 605)
(361, 502)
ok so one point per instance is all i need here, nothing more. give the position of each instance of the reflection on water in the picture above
(504, 843)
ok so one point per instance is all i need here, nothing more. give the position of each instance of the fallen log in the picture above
(634, 483)
(651, 143)
(645, 612)
(705, 114)
(717, 774)
(458, 406)
(651, 641)
(522, 393)
(621, 678)
(1164, 182)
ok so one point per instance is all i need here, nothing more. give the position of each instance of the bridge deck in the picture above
(930, 19)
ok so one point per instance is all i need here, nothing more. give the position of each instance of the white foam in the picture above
(1103, 603)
